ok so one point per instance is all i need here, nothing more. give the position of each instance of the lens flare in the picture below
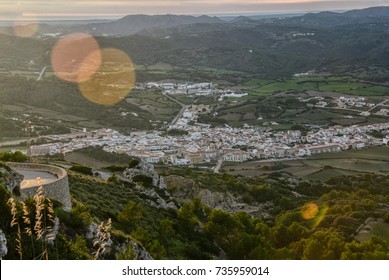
(25, 28)
(310, 211)
(76, 57)
(320, 216)
(114, 80)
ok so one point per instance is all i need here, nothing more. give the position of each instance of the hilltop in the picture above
(191, 214)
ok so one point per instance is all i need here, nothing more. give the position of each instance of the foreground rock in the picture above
(149, 183)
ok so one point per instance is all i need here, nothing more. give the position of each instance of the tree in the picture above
(79, 249)
(126, 254)
(113, 178)
(187, 218)
(141, 235)
(82, 169)
(166, 230)
(324, 245)
(157, 250)
(131, 214)
(373, 249)
(13, 157)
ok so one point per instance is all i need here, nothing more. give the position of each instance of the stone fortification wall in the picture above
(57, 189)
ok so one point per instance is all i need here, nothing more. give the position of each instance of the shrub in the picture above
(82, 169)
(14, 157)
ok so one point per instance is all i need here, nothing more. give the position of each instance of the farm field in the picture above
(343, 85)
(320, 167)
(86, 160)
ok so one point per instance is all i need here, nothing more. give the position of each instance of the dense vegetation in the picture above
(13, 157)
(308, 220)
(82, 169)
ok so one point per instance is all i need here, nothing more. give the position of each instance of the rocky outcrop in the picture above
(3, 245)
(219, 200)
(52, 234)
(9, 178)
(146, 169)
(158, 195)
(138, 252)
(184, 189)
(156, 200)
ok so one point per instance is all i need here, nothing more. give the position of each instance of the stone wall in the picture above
(58, 189)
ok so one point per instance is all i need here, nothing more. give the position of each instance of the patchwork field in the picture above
(344, 85)
(320, 167)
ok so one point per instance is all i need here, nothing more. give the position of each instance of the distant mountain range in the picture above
(335, 42)
(128, 25)
(133, 24)
(325, 19)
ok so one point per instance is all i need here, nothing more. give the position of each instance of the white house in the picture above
(235, 155)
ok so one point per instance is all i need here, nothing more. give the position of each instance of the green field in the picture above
(160, 66)
(218, 70)
(344, 85)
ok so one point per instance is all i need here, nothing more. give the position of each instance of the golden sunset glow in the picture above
(76, 57)
(315, 213)
(310, 211)
(113, 81)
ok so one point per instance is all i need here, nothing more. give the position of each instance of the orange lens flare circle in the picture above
(76, 57)
(114, 80)
(310, 211)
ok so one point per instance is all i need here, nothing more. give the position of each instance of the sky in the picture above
(49, 9)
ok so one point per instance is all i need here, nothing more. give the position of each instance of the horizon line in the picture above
(85, 17)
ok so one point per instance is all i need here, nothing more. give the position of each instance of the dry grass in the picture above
(103, 238)
(15, 222)
(42, 228)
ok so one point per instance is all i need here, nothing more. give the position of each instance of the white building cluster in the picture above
(194, 89)
(198, 89)
(358, 102)
(203, 144)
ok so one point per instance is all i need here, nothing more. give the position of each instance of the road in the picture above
(179, 115)
(41, 73)
(379, 104)
(218, 165)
